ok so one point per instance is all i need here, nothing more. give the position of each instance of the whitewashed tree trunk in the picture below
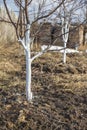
(64, 54)
(27, 47)
(65, 34)
(28, 64)
(28, 77)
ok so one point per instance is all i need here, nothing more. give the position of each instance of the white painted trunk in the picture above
(28, 76)
(28, 65)
(64, 54)
(65, 32)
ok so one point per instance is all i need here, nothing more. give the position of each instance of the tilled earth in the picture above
(59, 91)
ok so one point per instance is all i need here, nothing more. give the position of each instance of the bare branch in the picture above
(47, 15)
(40, 53)
(29, 2)
(18, 3)
(22, 42)
(26, 12)
(7, 10)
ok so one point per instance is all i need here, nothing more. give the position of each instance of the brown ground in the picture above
(60, 91)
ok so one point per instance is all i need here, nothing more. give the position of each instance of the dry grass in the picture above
(9, 66)
(83, 47)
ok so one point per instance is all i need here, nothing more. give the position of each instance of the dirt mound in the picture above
(60, 92)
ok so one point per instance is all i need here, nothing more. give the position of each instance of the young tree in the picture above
(23, 25)
(69, 14)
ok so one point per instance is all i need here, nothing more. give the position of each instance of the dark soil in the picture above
(59, 90)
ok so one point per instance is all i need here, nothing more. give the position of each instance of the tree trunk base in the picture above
(29, 96)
